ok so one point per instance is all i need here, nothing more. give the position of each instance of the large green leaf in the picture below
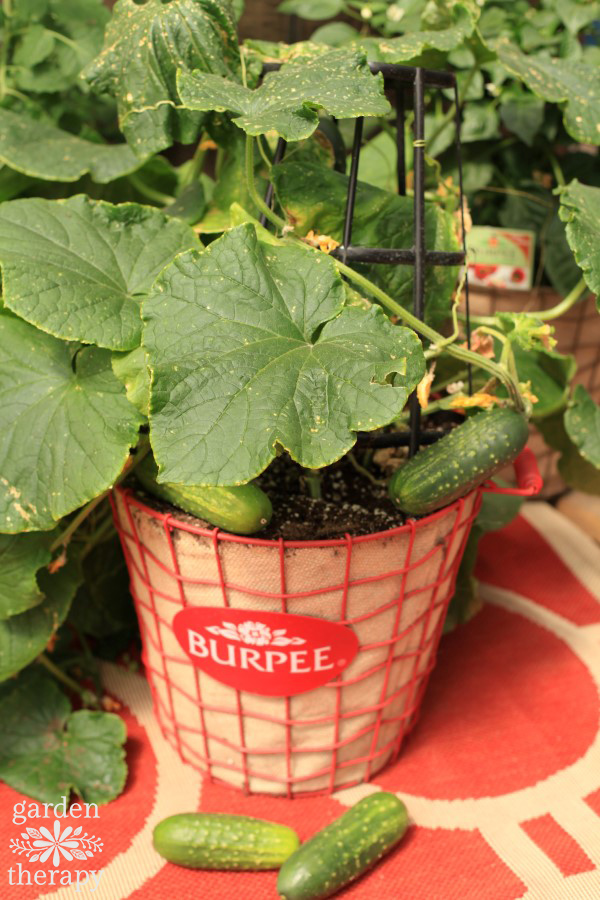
(580, 209)
(44, 151)
(66, 426)
(77, 268)
(47, 751)
(21, 555)
(582, 422)
(145, 44)
(453, 27)
(577, 472)
(287, 101)
(23, 637)
(48, 56)
(251, 349)
(314, 197)
(573, 83)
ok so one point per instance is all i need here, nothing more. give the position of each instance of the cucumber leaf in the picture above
(44, 151)
(580, 210)
(314, 197)
(251, 350)
(577, 472)
(582, 423)
(287, 101)
(145, 44)
(455, 24)
(576, 84)
(47, 751)
(313, 10)
(23, 637)
(66, 426)
(21, 556)
(77, 268)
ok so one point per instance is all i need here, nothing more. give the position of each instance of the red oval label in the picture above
(276, 654)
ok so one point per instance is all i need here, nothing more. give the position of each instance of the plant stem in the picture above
(362, 471)
(98, 537)
(570, 300)
(313, 480)
(89, 698)
(256, 198)
(147, 191)
(263, 153)
(65, 536)
(437, 339)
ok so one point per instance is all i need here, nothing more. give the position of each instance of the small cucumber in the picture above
(242, 510)
(344, 850)
(459, 462)
(220, 841)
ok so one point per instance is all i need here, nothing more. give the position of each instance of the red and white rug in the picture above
(501, 776)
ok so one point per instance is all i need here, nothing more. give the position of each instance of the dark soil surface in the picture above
(349, 503)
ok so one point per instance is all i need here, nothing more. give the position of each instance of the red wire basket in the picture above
(268, 722)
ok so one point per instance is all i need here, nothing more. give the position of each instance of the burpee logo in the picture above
(55, 845)
(276, 654)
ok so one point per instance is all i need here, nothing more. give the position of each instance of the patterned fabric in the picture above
(501, 776)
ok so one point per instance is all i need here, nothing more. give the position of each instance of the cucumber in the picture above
(242, 510)
(220, 841)
(460, 461)
(344, 850)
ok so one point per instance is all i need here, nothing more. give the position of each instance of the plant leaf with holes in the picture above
(314, 197)
(66, 426)
(287, 102)
(77, 268)
(582, 422)
(47, 751)
(580, 209)
(576, 84)
(251, 349)
(44, 151)
(144, 46)
(21, 557)
(24, 636)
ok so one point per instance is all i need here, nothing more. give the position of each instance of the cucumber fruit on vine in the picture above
(241, 510)
(222, 841)
(459, 462)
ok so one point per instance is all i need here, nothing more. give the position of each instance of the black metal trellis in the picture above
(400, 78)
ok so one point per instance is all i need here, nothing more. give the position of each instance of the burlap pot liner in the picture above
(577, 333)
(393, 588)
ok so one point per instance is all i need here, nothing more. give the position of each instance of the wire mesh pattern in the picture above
(391, 587)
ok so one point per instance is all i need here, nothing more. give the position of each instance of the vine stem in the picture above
(257, 199)
(65, 536)
(89, 698)
(570, 300)
(426, 331)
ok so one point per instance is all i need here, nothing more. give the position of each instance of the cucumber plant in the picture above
(149, 320)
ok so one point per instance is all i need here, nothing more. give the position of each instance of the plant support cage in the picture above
(399, 81)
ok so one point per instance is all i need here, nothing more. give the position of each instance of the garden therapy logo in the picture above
(55, 845)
